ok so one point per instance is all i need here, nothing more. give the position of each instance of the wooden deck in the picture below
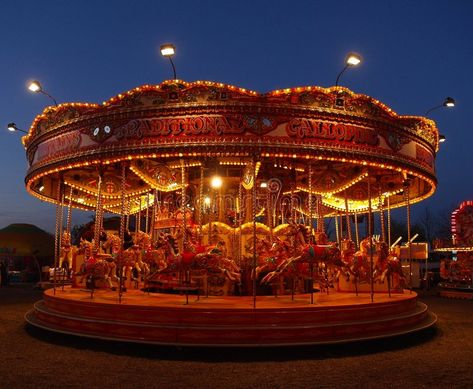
(229, 321)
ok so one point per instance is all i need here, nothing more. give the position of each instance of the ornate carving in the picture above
(394, 140)
(130, 130)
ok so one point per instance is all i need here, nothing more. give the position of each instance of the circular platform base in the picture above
(229, 321)
(456, 291)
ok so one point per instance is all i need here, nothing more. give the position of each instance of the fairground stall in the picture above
(232, 192)
(456, 270)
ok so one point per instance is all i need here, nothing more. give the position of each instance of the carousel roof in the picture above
(351, 141)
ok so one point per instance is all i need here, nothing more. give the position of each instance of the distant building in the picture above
(25, 248)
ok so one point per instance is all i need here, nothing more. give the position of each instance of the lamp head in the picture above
(168, 50)
(13, 127)
(216, 182)
(35, 86)
(353, 59)
(442, 138)
(449, 102)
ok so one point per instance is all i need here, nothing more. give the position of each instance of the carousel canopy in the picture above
(349, 149)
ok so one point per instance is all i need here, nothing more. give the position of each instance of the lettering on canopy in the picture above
(186, 125)
(64, 143)
(339, 132)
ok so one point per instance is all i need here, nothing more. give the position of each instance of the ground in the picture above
(438, 357)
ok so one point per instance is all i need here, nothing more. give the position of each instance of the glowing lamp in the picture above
(216, 182)
(353, 59)
(264, 184)
(12, 127)
(442, 138)
(207, 200)
(168, 50)
(449, 102)
(35, 86)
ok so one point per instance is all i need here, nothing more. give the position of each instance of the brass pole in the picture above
(370, 234)
(253, 211)
(122, 232)
(408, 208)
(389, 221)
(381, 213)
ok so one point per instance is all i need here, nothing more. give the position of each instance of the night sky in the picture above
(415, 53)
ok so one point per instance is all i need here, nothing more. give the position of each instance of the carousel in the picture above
(259, 219)
(456, 270)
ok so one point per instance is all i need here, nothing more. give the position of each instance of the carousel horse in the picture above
(270, 256)
(211, 258)
(388, 266)
(197, 257)
(85, 248)
(146, 258)
(262, 249)
(112, 243)
(385, 264)
(313, 260)
(359, 264)
(96, 267)
(66, 252)
(128, 265)
(134, 264)
(168, 243)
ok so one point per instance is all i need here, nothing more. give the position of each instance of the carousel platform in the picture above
(229, 321)
(456, 291)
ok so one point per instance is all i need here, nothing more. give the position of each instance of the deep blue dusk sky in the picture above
(415, 54)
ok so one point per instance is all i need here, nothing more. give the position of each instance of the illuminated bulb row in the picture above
(268, 155)
(458, 249)
(187, 164)
(359, 208)
(234, 163)
(82, 201)
(289, 167)
(289, 192)
(170, 188)
(186, 84)
(54, 108)
(109, 161)
(104, 195)
(338, 89)
(276, 155)
(337, 190)
(88, 191)
(136, 90)
(389, 194)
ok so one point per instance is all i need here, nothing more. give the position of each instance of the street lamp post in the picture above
(168, 50)
(13, 127)
(35, 87)
(449, 102)
(351, 60)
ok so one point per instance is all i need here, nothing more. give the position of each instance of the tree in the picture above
(428, 225)
(444, 223)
